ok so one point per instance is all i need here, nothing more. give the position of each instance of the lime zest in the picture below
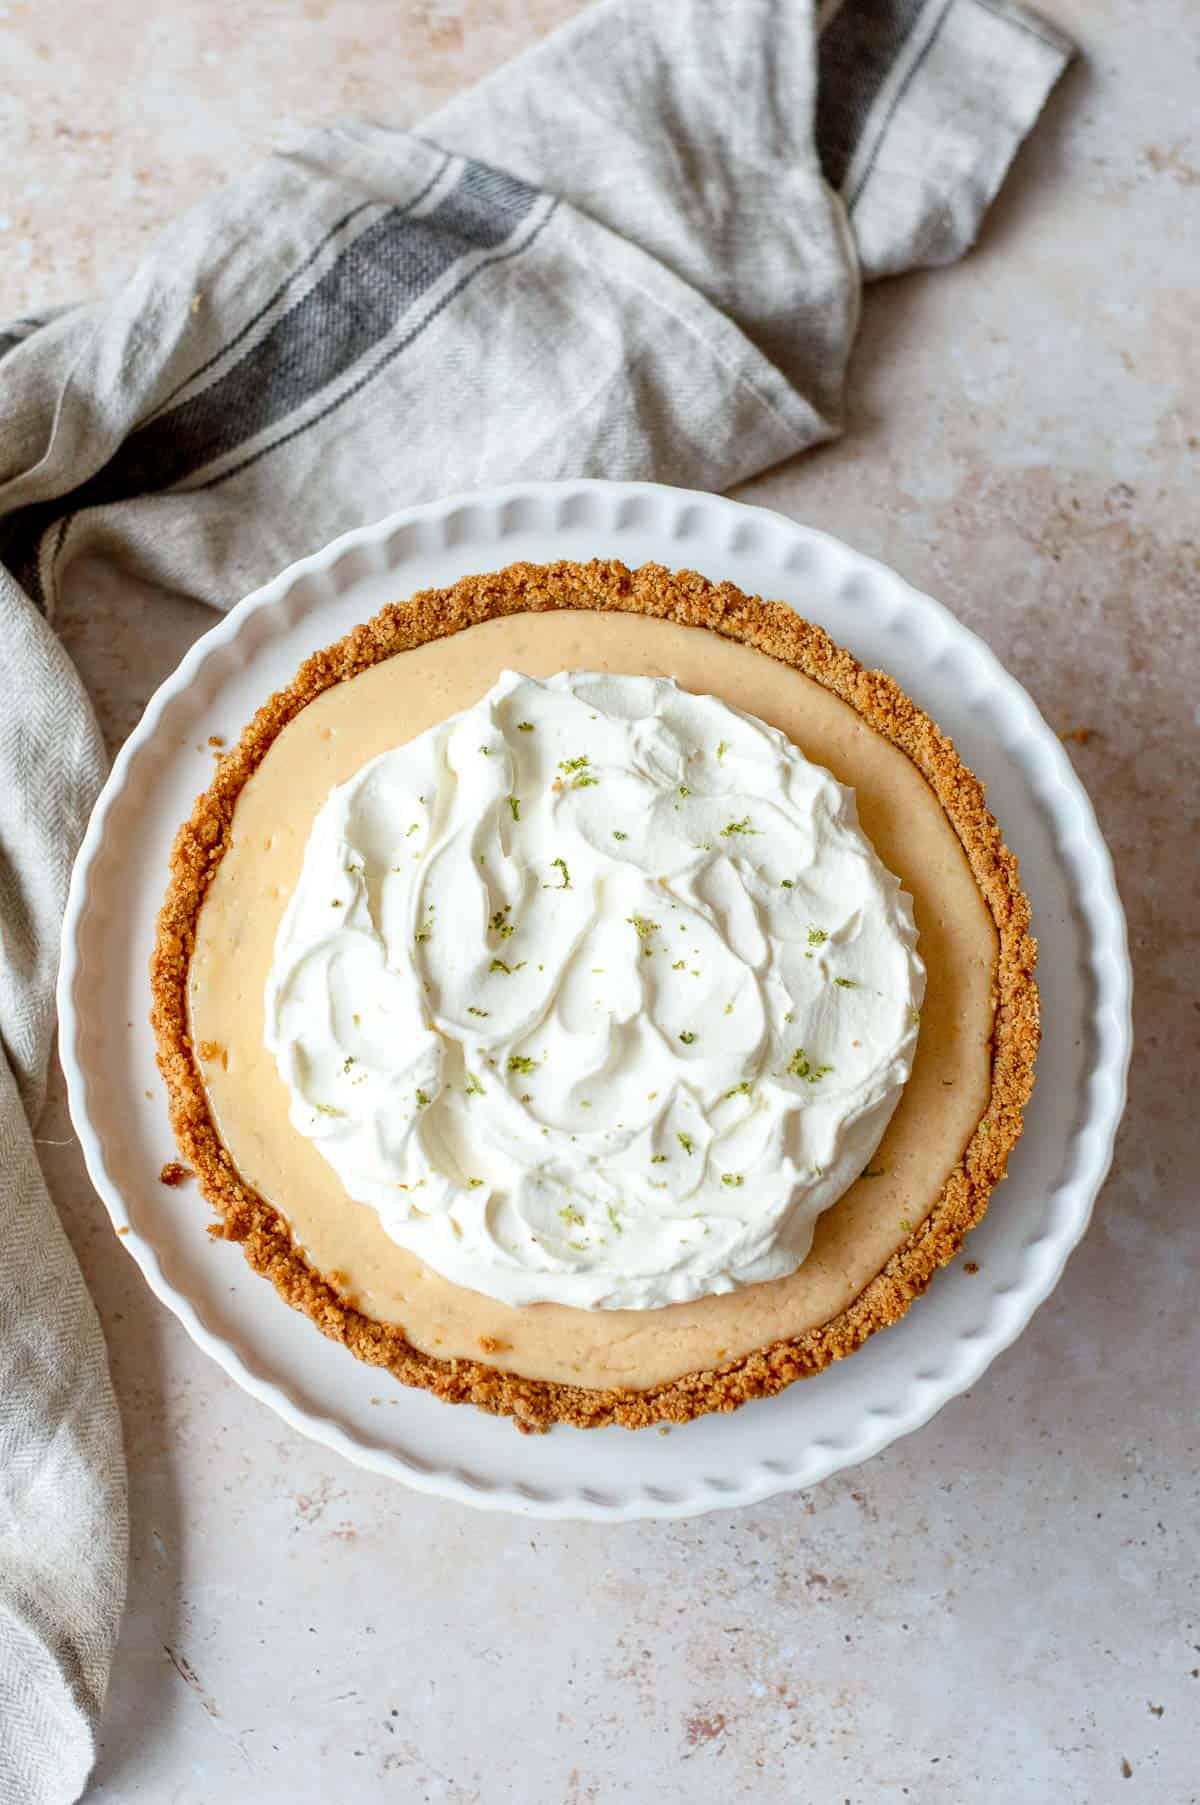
(577, 772)
(801, 1066)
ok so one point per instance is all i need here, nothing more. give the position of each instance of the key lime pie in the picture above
(589, 994)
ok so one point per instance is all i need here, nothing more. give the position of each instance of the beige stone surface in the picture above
(1002, 1607)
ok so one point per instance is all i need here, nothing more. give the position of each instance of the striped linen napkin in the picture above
(635, 252)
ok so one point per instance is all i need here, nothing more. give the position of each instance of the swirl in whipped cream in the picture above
(596, 993)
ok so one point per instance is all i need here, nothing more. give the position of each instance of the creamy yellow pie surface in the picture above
(399, 697)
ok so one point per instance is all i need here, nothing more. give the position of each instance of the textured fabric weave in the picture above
(635, 252)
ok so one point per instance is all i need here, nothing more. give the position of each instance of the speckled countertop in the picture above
(1005, 1605)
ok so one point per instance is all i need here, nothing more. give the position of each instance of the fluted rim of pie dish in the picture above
(774, 629)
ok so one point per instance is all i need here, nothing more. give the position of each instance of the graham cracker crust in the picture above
(774, 629)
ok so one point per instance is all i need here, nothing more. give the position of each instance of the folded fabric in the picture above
(635, 252)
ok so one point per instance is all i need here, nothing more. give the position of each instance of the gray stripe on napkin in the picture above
(857, 51)
(355, 304)
(918, 141)
(369, 290)
(273, 301)
(408, 338)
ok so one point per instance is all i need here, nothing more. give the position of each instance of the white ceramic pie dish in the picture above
(843, 1415)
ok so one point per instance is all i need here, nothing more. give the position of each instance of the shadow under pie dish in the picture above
(239, 858)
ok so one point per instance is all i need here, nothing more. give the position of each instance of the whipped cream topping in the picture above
(596, 993)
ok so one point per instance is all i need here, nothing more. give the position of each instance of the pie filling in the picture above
(587, 1001)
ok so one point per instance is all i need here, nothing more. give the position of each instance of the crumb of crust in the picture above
(490, 1345)
(123, 1231)
(971, 1266)
(216, 739)
(1080, 735)
(776, 630)
(175, 1174)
